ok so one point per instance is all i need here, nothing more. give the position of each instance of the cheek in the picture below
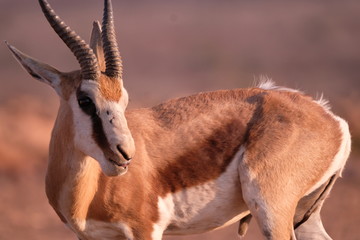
(83, 135)
(83, 128)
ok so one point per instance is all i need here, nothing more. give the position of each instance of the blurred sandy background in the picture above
(170, 49)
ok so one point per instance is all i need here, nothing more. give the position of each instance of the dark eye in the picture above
(85, 102)
(87, 105)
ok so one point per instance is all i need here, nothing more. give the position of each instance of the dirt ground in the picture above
(171, 49)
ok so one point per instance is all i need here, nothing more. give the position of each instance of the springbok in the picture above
(201, 162)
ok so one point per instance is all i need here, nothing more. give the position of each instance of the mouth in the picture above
(119, 164)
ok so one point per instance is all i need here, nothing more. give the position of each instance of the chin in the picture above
(112, 170)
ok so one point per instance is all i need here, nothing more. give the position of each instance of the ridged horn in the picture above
(83, 53)
(111, 51)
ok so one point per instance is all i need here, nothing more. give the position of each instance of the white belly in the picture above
(214, 204)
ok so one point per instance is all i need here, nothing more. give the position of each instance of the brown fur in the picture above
(190, 141)
(205, 132)
(110, 88)
(61, 145)
(69, 83)
(289, 121)
(289, 142)
(288, 131)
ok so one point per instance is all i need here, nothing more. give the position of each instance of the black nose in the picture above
(123, 153)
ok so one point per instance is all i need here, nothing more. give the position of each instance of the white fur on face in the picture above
(115, 127)
(115, 124)
(83, 132)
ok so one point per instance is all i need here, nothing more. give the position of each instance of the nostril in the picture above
(123, 153)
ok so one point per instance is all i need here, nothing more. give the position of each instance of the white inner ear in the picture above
(38, 70)
(46, 74)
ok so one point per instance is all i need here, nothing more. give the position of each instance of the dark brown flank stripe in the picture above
(215, 140)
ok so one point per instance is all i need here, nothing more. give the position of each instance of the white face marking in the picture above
(112, 115)
(205, 207)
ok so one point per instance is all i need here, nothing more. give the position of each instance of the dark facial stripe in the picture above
(98, 132)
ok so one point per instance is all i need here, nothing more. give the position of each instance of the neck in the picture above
(71, 180)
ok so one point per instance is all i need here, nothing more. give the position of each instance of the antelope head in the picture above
(95, 94)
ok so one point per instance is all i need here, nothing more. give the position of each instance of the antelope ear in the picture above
(97, 45)
(38, 70)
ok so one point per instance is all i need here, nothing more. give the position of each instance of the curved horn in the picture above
(82, 51)
(112, 55)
